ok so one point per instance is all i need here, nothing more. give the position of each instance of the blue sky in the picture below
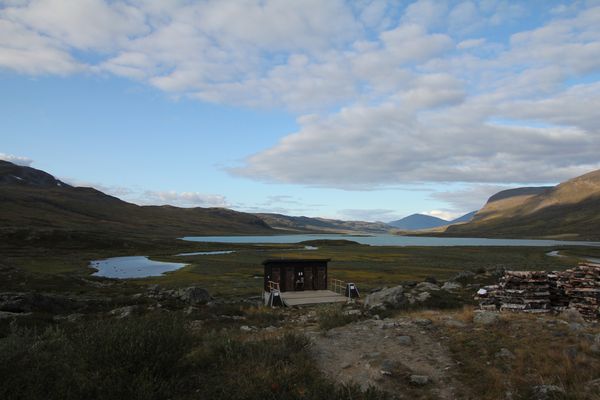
(366, 110)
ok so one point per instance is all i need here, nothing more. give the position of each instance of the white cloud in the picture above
(387, 94)
(19, 160)
(370, 215)
(182, 199)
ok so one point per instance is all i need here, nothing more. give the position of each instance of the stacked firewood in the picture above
(527, 291)
(541, 291)
(582, 287)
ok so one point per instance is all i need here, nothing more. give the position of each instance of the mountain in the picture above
(307, 224)
(569, 210)
(418, 221)
(34, 203)
(465, 218)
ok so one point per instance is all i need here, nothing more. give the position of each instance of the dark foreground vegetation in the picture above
(158, 357)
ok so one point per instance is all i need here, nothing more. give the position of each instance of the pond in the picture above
(390, 240)
(132, 267)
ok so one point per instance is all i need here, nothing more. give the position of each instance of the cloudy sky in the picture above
(347, 109)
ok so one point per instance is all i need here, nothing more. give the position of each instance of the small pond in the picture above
(132, 267)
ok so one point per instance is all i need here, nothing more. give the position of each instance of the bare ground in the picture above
(386, 354)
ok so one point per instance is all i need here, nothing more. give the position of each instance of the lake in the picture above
(390, 240)
(132, 267)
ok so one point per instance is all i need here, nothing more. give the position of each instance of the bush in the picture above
(332, 316)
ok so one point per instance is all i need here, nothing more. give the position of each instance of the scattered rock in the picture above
(193, 295)
(405, 340)
(463, 276)
(547, 392)
(575, 326)
(388, 297)
(452, 323)
(505, 353)
(451, 285)
(426, 286)
(419, 380)
(123, 312)
(486, 317)
(8, 314)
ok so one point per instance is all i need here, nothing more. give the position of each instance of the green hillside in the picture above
(570, 210)
(35, 204)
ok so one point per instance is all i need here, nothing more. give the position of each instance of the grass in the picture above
(157, 357)
(545, 352)
(332, 315)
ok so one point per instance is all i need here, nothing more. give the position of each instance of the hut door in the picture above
(276, 275)
(289, 278)
(322, 278)
(308, 278)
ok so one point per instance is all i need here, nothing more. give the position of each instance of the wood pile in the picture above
(526, 291)
(542, 292)
(581, 286)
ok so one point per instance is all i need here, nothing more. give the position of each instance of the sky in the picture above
(365, 110)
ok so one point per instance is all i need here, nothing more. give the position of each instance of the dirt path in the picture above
(387, 354)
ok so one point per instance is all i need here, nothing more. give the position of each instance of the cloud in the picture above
(371, 215)
(466, 199)
(19, 160)
(386, 95)
(182, 199)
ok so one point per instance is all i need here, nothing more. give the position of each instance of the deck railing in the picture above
(273, 286)
(337, 286)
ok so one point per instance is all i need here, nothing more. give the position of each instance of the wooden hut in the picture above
(296, 274)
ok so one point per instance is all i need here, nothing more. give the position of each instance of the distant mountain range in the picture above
(570, 210)
(33, 203)
(422, 221)
(308, 224)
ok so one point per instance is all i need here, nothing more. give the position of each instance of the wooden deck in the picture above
(307, 297)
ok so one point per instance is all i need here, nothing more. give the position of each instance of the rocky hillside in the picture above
(33, 202)
(323, 225)
(569, 210)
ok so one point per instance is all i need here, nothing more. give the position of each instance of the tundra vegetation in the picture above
(65, 333)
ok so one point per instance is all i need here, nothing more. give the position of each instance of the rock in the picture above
(123, 312)
(572, 315)
(387, 367)
(426, 286)
(505, 353)
(352, 312)
(422, 297)
(547, 392)
(575, 327)
(451, 285)
(452, 323)
(8, 314)
(486, 317)
(423, 321)
(388, 297)
(245, 328)
(270, 328)
(419, 380)
(463, 276)
(431, 279)
(28, 302)
(405, 340)
(193, 295)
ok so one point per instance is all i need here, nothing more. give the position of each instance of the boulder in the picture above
(193, 295)
(419, 380)
(426, 287)
(451, 285)
(486, 317)
(388, 297)
(547, 392)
